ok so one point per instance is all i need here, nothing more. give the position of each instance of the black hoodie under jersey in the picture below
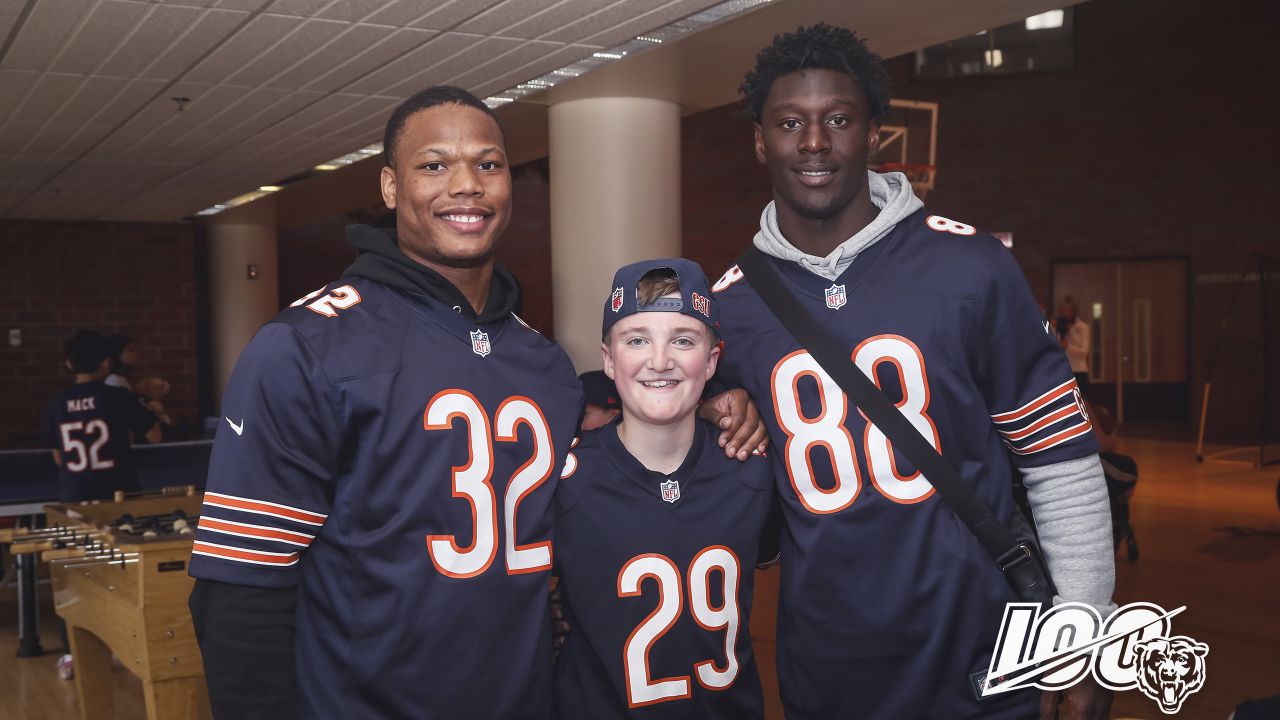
(381, 259)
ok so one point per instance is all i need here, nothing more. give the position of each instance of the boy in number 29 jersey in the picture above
(657, 532)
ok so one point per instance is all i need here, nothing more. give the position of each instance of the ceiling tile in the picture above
(555, 17)
(478, 50)
(362, 55)
(161, 28)
(302, 42)
(250, 41)
(608, 18)
(14, 85)
(484, 84)
(15, 135)
(356, 112)
(248, 5)
(9, 13)
(505, 14)
(297, 8)
(411, 63)
(351, 10)
(213, 27)
(415, 13)
(626, 25)
(519, 58)
(50, 92)
(313, 114)
(44, 33)
(449, 15)
(109, 24)
(134, 96)
(81, 139)
(91, 98)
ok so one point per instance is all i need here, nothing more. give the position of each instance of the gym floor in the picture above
(1209, 536)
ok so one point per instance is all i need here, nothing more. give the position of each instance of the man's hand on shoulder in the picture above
(743, 431)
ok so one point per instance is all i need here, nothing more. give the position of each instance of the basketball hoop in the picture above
(921, 175)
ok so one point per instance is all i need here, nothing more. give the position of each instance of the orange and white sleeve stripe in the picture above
(255, 532)
(1055, 417)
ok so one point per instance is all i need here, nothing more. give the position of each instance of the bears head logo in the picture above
(1170, 669)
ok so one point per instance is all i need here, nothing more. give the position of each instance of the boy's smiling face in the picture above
(660, 362)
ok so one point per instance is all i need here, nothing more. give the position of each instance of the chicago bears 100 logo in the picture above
(1133, 649)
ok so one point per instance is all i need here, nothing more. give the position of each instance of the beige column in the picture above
(238, 239)
(615, 199)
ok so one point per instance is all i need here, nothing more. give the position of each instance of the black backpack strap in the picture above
(1013, 555)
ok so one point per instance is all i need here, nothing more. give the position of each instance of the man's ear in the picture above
(388, 182)
(759, 142)
(873, 139)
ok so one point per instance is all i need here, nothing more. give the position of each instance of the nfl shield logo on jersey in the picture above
(615, 300)
(835, 297)
(480, 342)
(670, 490)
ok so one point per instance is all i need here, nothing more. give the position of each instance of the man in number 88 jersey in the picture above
(657, 532)
(889, 606)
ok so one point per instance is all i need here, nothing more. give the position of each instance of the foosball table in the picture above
(120, 583)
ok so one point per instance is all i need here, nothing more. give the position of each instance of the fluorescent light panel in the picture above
(1045, 20)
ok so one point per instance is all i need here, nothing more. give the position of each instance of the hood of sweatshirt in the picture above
(381, 259)
(891, 192)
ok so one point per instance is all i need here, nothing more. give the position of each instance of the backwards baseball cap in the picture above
(694, 301)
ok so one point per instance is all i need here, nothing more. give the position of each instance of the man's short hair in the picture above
(821, 47)
(429, 98)
(655, 284)
(86, 350)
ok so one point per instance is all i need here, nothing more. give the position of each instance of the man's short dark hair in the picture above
(822, 47)
(86, 350)
(429, 98)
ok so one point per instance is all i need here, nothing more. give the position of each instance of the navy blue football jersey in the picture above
(90, 423)
(656, 574)
(397, 462)
(889, 605)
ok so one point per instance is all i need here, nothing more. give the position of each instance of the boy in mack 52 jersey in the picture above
(89, 424)
(657, 532)
(889, 606)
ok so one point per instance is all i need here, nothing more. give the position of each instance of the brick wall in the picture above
(132, 278)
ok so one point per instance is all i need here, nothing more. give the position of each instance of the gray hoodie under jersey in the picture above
(1069, 498)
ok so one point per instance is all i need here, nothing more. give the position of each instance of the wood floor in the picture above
(1210, 540)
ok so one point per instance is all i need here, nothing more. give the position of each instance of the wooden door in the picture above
(1138, 310)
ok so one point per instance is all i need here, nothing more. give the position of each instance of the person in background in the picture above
(123, 355)
(1077, 339)
(601, 397)
(88, 427)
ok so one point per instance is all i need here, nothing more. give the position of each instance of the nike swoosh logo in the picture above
(238, 428)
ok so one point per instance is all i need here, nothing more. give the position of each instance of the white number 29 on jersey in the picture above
(472, 482)
(827, 429)
(641, 688)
